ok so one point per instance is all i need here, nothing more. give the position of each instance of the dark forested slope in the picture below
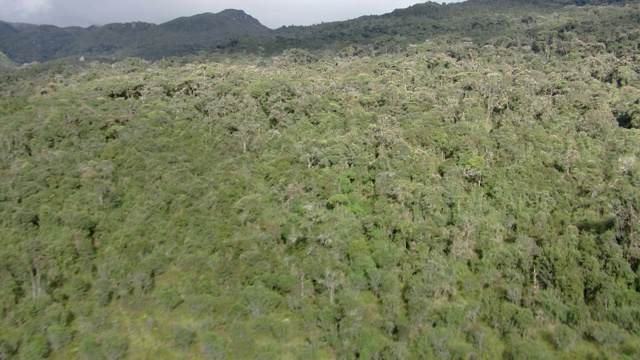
(181, 36)
(509, 23)
(233, 31)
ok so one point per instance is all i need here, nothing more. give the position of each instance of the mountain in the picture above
(226, 23)
(188, 35)
(39, 43)
(7, 29)
(116, 40)
(480, 21)
(234, 31)
(181, 36)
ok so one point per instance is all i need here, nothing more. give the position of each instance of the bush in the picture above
(89, 348)
(36, 347)
(184, 338)
(59, 336)
(168, 297)
(114, 346)
(527, 350)
(563, 338)
(605, 334)
(56, 314)
(212, 347)
(337, 200)
(7, 349)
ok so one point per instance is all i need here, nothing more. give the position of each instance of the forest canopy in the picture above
(454, 198)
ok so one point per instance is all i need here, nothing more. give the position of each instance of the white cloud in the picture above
(19, 10)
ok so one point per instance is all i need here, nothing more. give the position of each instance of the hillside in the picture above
(235, 32)
(444, 200)
(5, 61)
(411, 195)
(6, 29)
(39, 43)
(182, 36)
(484, 22)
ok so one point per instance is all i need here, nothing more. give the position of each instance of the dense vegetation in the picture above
(5, 61)
(500, 22)
(506, 23)
(453, 198)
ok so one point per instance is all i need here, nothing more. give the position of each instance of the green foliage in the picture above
(36, 347)
(114, 346)
(59, 336)
(212, 347)
(169, 298)
(5, 61)
(528, 350)
(546, 27)
(183, 338)
(337, 200)
(461, 198)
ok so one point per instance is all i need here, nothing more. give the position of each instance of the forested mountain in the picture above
(233, 31)
(453, 190)
(39, 43)
(482, 21)
(188, 35)
(7, 29)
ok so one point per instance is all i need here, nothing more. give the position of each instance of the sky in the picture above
(272, 13)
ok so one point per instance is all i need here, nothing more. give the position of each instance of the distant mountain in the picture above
(39, 43)
(27, 43)
(189, 35)
(7, 29)
(235, 31)
(114, 40)
(226, 23)
(480, 21)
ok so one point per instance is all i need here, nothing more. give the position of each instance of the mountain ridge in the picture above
(24, 43)
(233, 31)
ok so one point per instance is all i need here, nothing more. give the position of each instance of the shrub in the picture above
(212, 347)
(36, 347)
(168, 297)
(184, 338)
(337, 200)
(59, 336)
(114, 346)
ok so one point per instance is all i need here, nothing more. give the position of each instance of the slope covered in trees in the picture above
(448, 199)
(504, 23)
(235, 32)
(182, 36)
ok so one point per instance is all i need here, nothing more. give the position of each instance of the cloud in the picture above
(18, 10)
